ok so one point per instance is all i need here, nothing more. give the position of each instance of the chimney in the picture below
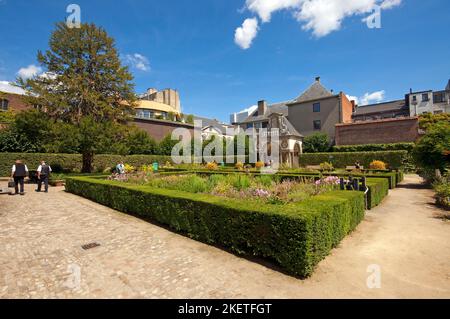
(262, 107)
(410, 91)
(353, 105)
(447, 88)
(317, 78)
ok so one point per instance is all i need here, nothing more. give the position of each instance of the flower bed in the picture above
(296, 234)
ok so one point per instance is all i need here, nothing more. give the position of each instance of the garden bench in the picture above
(313, 167)
(352, 168)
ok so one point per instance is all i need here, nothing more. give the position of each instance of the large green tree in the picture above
(85, 85)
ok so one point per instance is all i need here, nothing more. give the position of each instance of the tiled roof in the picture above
(381, 107)
(315, 91)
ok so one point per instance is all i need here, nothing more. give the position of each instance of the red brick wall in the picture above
(159, 129)
(15, 102)
(347, 108)
(378, 132)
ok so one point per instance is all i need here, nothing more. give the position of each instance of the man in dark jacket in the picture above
(43, 173)
(19, 171)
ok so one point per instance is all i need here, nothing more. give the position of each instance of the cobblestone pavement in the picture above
(41, 256)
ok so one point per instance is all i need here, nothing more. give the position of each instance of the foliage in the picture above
(342, 160)
(431, 151)
(442, 189)
(239, 166)
(316, 143)
(139, 142)
(189, 119)
(326, 167)
(295, 236)
(166, 145)
(378, 165)
(259, 165)
(85, 85)
(212, 166)
(73, 162)
(7, 116)
(428, 120)
(374, 147)
(378, 190)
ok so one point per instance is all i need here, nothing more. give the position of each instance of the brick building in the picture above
(13, 102)
(383, 131)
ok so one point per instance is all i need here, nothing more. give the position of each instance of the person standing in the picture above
(43, 173)
(18, 172)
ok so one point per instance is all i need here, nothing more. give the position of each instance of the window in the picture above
(317, 124)
(439, 98)
(316, 107)
(250, 125)
(258, 125)
(265, 124)
(425, 97)
(4, 104)
(414, 98)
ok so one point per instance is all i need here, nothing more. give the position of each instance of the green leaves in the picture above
(316, 143)
(432, 150)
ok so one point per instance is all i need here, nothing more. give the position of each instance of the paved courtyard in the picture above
(41, 255)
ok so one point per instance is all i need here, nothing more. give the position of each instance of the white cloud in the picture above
(244, 35)
(7, 87)
(321, 17)
(353, 98)
(29, 71)
(368, 98)
(375, 97)
(138, 61)
(265, 8)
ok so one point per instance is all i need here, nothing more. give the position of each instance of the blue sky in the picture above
(190, 45)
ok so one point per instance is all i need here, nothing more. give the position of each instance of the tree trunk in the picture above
(88, 157)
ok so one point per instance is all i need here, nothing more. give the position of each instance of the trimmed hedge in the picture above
(73, 162)
(374, 147)
(394, 159)
(378, 190)
(295, 236)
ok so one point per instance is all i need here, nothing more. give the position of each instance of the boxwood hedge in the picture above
(73, 162)
(378, 190)
(374, 147)
(295, 236)
(395, 159)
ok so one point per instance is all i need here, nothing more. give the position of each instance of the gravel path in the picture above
(41, 256)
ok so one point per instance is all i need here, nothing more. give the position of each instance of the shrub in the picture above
(212, 166)
(374, 147)
(295, 236)
(259, 165)
(431, 151)
(341, 160)
(73, 162)
(442, 194)
(317, 142)
(326, 167)
(378, 165)
(378, 190)
(239, 166)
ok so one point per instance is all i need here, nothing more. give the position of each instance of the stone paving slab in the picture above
(41, 256)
